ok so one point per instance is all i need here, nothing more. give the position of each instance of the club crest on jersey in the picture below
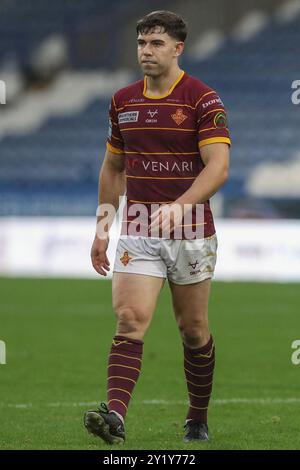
(130, 116)
(179, 117)
(220, 120)
(125, 258)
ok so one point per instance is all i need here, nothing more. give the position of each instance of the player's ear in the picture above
(179, 46)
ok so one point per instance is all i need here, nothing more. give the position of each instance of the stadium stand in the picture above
(25, 24)
(85, 24)
(255, 82)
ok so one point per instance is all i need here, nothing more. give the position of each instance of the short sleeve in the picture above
(114, 139)
(212, 125)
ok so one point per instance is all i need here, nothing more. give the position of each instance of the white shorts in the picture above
(180, 261)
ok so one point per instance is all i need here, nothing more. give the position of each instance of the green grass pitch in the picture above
(58, 334)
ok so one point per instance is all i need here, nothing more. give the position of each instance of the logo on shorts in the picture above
(179, 116)
(125, 258)
(194, 265)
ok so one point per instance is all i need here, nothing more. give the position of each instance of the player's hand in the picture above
(99, 257)
(167, 216)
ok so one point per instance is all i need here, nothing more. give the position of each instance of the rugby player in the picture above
(168, 146)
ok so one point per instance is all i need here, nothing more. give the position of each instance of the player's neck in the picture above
(160, 86)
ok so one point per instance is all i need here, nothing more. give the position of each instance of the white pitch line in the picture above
(230, 401)
(218, 401)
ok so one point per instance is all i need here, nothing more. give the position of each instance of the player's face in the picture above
(157, 52)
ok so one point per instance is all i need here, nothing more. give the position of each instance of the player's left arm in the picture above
(215, 157)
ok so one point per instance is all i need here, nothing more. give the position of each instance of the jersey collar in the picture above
(152, 97)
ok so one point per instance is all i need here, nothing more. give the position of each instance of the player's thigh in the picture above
(135, 295)
(190, 303)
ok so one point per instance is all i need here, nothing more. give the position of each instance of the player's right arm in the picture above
(111, 187)
(112, 178)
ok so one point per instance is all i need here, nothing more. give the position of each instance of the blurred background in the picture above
(60, 62)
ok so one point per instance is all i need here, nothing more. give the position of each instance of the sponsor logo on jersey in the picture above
(179, 117)
(220, 120)
(152, 114)
(125, 258)
(133, 162)
(135, 100)
(171, 167)
(159, 167)
(211, 102)
(130, 116)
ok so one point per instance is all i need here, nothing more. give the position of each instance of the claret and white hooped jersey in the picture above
(161, 137)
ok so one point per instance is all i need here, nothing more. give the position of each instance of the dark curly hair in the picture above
(170, 23)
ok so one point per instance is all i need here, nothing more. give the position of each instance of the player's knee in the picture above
(130, 321)
(194, 333)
